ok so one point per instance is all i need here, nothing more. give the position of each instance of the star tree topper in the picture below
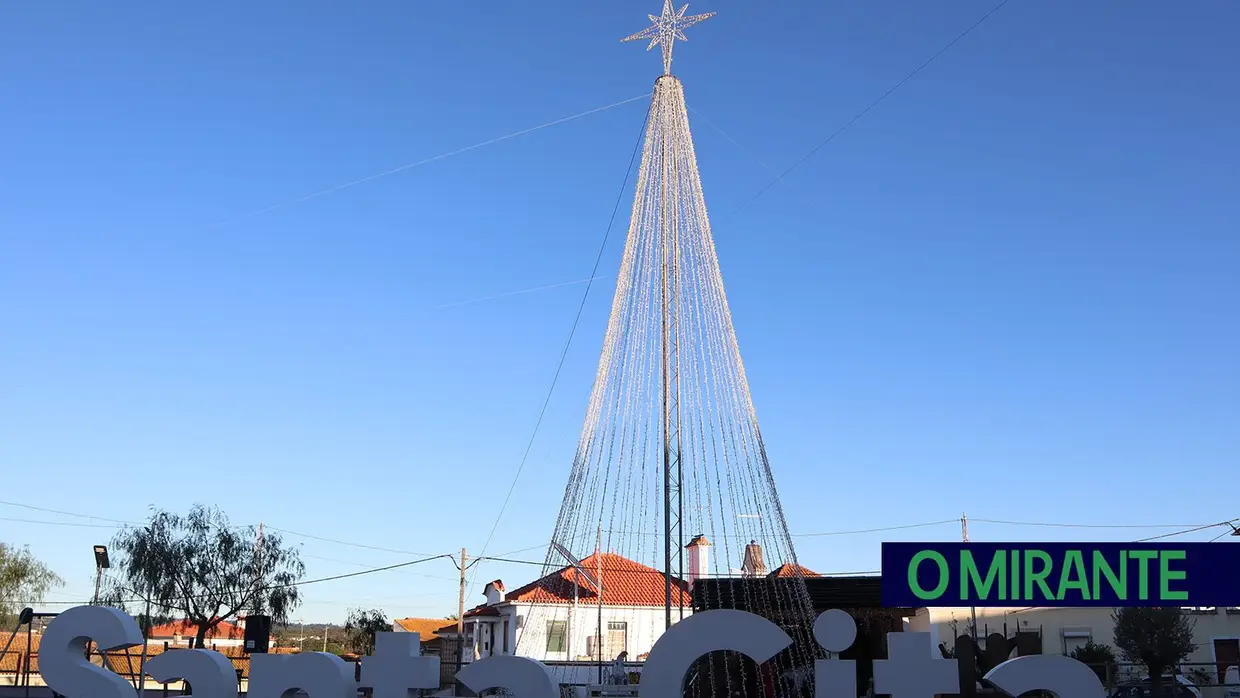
(666, 29)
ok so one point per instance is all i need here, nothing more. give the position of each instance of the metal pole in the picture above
(30, 655)
(145, 642)
(98, 583)
(665, 248)
(598, 568)
(964, 536)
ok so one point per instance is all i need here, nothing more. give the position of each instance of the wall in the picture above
(645, 626)
(1059, 624)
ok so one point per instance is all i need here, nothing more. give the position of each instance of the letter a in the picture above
(521, 676)
(210, 673)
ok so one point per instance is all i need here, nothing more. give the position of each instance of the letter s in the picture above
(701, 633)
(1063, 676)
(522, 676)
(62, 652)
(210, 673)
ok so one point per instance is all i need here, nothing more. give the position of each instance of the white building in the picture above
(557, 619)
(1062, 630)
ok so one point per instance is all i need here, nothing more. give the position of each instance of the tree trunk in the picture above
(199, 640)
(1156, 681)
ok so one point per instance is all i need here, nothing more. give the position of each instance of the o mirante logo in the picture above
(1059, 574)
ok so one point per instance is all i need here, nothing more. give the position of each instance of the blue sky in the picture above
(1008, 290)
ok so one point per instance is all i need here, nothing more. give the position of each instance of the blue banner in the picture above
(1061, 574)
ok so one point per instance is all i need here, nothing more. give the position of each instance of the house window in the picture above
(505, 636)
(1075, 639)
(557, 636)
(617, 638)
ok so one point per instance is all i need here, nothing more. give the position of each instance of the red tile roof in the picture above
(625, 583)
(428, 628)
(483, 610)
(184, 628)
(792, 570)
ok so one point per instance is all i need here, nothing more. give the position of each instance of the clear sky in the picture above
(1009, 290)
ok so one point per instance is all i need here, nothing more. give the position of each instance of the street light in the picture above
(101, 563)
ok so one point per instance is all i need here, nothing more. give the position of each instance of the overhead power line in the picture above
(72, 524)
(363, 546)
(318, 580)
(876, 530)
(1193, 529)
(572, 332)
(1077, 525)
(427, 161)
(861, 114)
(45, 510)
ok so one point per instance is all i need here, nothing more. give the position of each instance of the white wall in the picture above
(1059, 624)
(644, 627)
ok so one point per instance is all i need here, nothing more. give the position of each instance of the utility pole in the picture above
(460, 615)
(964, 538)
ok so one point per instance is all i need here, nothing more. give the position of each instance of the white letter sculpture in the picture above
(209, 673)
(521, 676)
(320, 674)
(398, 669)
(701, 633)
(835, 632)
(1063, 676)
(912, 671)
(62, 652)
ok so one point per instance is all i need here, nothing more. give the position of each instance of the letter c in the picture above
(522, 676)
(701, 633)
(210, 673)
(62, 652)
(1063, 676)
(944, 575)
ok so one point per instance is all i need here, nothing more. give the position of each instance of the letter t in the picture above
(398, 668)
(912, 671)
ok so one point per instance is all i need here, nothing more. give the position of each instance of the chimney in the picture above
(753, 565)
(699, 558)
(494, 591)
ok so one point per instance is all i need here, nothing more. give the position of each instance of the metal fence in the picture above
(1202, 675)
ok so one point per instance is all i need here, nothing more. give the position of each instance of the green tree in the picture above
(1100, 658)
(360, 629)
(205, 570)
(24, 580)
(1156, 637)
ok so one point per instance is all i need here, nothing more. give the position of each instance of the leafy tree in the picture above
(24, 580)
(205, 570)
(1157, 637)
(360, 629)
(1100, 658)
